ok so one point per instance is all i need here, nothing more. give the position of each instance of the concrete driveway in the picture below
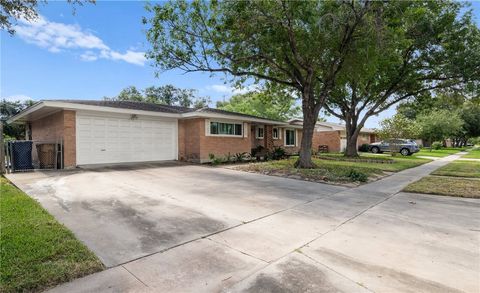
(183, 228)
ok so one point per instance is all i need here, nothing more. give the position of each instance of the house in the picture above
(106, 132)
(334, 135)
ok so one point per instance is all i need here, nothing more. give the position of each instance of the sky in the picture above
(95, 52)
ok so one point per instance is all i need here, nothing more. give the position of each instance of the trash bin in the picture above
(46, 155)
(21, 152)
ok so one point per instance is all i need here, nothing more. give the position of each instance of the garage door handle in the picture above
(102, 150)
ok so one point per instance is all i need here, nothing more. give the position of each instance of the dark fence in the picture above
(28, 155)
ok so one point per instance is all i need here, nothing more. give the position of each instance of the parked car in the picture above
(406, 147)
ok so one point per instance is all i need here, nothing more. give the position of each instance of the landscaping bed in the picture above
(333, 171)
(450, 186)
(37, 252)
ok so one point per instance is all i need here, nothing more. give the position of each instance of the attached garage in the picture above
(107, 138)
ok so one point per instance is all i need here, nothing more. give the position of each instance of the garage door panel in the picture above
(120, 139)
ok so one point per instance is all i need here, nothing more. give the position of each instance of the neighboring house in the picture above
(105, 132)
(334, 135)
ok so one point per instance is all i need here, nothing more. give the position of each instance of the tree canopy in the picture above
(417, 48)
(262, 104)
(360, 57)
(9, 109)
(166, 95)
(439, 125)
(299, 45)
(12, 10)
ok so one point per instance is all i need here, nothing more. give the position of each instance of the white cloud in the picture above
(229, 90)
(57, 37)
(14, 98)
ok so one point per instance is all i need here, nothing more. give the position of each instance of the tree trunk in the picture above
(310, 116)
(351, 150)
(352, 136)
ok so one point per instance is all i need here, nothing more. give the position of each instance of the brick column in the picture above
(69, 139)
(268, 137)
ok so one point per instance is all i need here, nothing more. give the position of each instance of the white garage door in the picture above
(119, 139)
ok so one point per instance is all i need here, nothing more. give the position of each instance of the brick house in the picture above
(106, 132)
(334, 135)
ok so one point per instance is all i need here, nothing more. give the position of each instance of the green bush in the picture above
(437, 145)
(363, 147)
(355, 175)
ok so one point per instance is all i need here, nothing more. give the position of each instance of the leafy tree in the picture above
(439, 125)
(302, 46)
(171, 95)
(263, 104)
(166, 95)
(467, 104)
(398, 127)
(130, 94)
(12, 10)
(9, 109)
(422, 47)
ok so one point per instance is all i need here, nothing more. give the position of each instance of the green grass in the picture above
(460, 169)
(37, 252)
(438, 153)
(334, 171)
(473, 154)
(459, 187)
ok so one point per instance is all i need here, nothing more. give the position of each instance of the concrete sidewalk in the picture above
(369, 238)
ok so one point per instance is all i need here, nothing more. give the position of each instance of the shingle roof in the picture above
(130, 105)
(133, 105)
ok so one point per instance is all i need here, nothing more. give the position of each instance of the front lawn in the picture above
(333, 170)
(441, 185)
(473, 154)
(37, 252)
(460, 169)
(438, 153)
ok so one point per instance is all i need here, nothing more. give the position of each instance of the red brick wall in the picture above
(195, 146)
(363, 138)
(69, 139)
(329, 138)
(60, 125)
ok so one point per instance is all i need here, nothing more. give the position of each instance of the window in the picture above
(275, 133)
(260, 132)
(290, 139)
(220, 128)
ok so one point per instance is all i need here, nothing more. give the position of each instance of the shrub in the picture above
(239, 157)
(437, 145)
(279, 153)
(355, 175)
(214, 160)
(363, 147)
(257, 150)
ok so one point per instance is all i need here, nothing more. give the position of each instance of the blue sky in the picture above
(94, 53)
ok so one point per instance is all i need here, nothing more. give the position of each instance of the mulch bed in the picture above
(362, 160)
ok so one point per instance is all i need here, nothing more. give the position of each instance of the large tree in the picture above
(264, 104)
(301, 46)
(8, 109)
(166, 95)
(439, 125)
(424, 46)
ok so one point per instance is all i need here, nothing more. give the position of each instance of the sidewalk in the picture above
(368, 238)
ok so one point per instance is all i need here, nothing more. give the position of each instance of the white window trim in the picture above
(279, 133)
(207, 128)
(285, 137)
(256, 132)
